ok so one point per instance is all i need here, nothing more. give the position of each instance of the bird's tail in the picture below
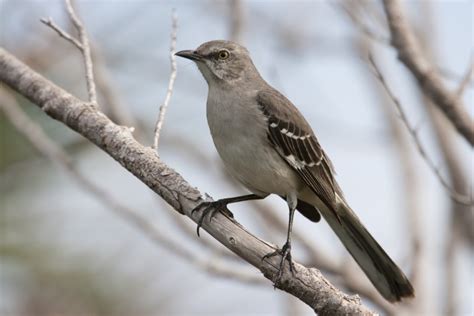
(384, 274)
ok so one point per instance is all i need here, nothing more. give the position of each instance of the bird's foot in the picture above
(285, 253)
(211, 208)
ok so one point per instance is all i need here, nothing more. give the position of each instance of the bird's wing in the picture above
(294, 140)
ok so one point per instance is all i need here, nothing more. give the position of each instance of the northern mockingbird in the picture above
(267, 144)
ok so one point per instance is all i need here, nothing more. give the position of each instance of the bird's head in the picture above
(222, 61)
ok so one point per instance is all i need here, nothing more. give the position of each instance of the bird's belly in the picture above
(259, 168)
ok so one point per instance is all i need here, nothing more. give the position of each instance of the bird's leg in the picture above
(213, 207)
(285, 251)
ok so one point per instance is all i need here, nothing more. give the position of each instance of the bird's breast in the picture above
(239, 132)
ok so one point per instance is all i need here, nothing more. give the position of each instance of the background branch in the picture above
(456, 196)
(428, 78)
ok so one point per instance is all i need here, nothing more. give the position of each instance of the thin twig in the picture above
(86, 52)
(466, 80)
(348, 9)
(459, 198)
(49, 22)
(48, 148)
(82, 44)
(117, 111)
(169, 92)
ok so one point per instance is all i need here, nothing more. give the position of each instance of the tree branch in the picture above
(308, 285)
(455, 196)
(429, 80)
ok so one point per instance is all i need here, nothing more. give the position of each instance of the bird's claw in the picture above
(285, 253)
(210, 208)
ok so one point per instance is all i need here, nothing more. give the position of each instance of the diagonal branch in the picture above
(455, 196)
(427, 76)
(308, 284)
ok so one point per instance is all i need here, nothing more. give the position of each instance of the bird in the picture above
(268, 146)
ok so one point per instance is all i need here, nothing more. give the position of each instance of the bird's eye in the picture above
(223, 54)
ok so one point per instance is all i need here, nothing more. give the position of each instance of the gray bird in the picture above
(267, 144)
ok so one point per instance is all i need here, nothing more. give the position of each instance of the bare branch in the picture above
(86, 51)
(117, 111)
(459, 198)
(48, 148)
(49, 22)
(308, 284)
(82, 44)
(169, 92)
(429, 80)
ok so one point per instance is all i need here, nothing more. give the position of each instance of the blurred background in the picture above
(64, 250)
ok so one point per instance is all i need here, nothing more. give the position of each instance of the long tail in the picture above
(384, 274)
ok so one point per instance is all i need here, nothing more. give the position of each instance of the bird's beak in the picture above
(189, 54)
